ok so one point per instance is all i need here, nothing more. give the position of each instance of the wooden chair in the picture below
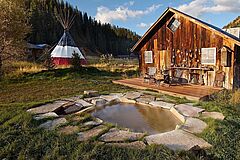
(150, 75)
(177, 77)
(219, 79)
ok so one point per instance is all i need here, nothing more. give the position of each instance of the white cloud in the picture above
(122, 13)
(199, 7)
(144, 25)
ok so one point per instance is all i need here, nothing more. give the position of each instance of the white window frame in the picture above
(207, 52)
(148, 57)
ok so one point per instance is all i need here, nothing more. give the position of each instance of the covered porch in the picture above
(190, 91)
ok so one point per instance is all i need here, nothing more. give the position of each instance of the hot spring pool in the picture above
(138, 118)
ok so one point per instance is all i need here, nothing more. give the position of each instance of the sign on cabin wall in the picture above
(209, 56)
(148, 56)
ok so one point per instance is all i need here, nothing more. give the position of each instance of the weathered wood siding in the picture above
(189, 38)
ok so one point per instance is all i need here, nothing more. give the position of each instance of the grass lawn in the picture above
(21, 139)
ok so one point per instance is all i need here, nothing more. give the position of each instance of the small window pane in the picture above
(148, 57)
(208, 56)
(173, 24)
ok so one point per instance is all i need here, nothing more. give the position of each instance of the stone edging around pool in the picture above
(182, 138)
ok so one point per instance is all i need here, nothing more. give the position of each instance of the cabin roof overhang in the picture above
(168, 13)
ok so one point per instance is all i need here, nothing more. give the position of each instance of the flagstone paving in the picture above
(52, 124)
(214, 115)
(87, 135)
(134, 145)
(182, 138)
(162, 104)
(116, 135)
(194, 125)
(46, 115)
(177, 140)
(188, 110)
(49, 107)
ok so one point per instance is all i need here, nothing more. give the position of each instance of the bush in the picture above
(76, 60)
(235, 99)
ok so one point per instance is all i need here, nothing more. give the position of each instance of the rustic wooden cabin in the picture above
(205, 55)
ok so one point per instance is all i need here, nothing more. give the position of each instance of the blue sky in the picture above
(138, 15)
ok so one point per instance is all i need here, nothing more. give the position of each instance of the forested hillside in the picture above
(234, 23)
(86, 31)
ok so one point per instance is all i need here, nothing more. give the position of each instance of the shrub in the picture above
(235, 99)
(76, 60)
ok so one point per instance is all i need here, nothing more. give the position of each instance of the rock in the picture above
(178, 115)
(161, 104)
(133, 145)
(116, 135)
(46, 115)
(194, 125)
(125, 100)
(51, 124)
(214, 115)
(84, 136)
(91, 93)
(97, 122)
(85, 110)
(49, 107)
(109, 98)
(189, 111)
(132, 95)
(73, 109)
(83, 103)
(177, 140)
(99, 102)
(145, 99)
(67, 130)
(117, 94)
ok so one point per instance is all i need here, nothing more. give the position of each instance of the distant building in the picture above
(234, 31)
(35, 51)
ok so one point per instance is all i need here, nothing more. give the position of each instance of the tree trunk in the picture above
(1, 63)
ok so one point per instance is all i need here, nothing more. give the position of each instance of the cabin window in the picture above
(173, 24)
(148, 56)
(209, 56)
(226, 57)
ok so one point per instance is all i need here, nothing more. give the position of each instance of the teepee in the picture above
(62, 53)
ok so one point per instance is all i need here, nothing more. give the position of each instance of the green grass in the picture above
(21, 139)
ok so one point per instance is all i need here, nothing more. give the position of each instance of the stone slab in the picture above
(177, 140)
(175, 112)
(194, 125)
(189, 111)
(132, 145)
(117, 94)
(145, 99)
(109, 98)
(97, 122)
(49, 107)
(162, 104)
(67, 130)
(214, 115)
(116, 135)
(52, 124)
(46, 115)
(73, 109)
(132, 95)
(83, 103)
(87, 135)
(91, 93)
(99, 102)
(85, 110)
(125, 100)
